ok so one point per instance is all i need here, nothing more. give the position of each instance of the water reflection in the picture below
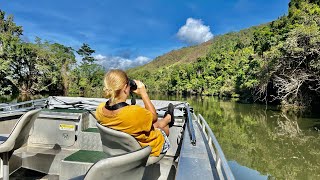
(275, 144)
(243, 172)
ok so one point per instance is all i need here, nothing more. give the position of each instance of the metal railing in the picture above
(22, 106)
(221, 163)
(190, 124)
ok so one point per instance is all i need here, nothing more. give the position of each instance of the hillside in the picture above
(276, 62)
(187, 55)
(175, 57)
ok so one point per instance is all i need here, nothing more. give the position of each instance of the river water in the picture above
(260, 142)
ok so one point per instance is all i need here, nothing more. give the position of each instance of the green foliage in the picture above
(175, 57)
(7, 26)
(65, 58)
(35, 68)
(275, 61)
(263, 40)
(42, 67)
(215, 74)
(280, 146)
(85, 52)
(9, 41)
(87, 77)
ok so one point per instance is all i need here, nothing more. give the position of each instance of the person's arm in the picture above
(148, 105)
(142, 92)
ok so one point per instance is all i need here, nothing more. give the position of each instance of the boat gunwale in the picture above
(10, 108)
(216, 150)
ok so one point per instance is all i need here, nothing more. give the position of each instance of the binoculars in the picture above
(133, 85)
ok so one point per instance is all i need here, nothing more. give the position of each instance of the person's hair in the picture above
(114, 80)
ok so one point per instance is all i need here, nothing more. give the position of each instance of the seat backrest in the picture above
(126, 166)
(116, 142)
(20, 132)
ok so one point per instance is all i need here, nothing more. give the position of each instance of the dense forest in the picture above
(276, 62)
(43, 67)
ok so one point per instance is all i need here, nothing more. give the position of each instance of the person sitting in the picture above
(141, 123)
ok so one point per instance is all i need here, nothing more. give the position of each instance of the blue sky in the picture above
(133, 32)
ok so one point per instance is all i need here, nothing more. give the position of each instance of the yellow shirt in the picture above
(136, 121)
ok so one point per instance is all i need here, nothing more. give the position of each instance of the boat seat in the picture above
(116, 142)
(127, 166)
(18, 137)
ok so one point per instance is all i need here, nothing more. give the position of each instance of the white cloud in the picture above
(99, 57)
(194, 32)
(142, 59)
(117, 62)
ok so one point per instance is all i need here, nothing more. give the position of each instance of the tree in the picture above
(7, 26)
(64, 58)
(88, 76)
(33, 68)
(9, 40)
(85, 52)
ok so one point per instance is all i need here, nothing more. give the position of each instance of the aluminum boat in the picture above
(59, 138)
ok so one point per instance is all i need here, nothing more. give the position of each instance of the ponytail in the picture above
(113, 81)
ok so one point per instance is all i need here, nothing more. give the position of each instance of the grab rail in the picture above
(190, 124)
(22, 106)
(221, 163)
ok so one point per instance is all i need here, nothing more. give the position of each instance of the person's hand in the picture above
(141, 88)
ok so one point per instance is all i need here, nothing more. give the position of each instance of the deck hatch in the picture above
(49, 132)
(56, 127)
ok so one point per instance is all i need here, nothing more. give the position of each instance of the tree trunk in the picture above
(65, 79)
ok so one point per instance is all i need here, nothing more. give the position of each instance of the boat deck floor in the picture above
(163, 170)
(28, 174)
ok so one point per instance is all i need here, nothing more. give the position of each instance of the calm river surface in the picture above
(260, 143)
